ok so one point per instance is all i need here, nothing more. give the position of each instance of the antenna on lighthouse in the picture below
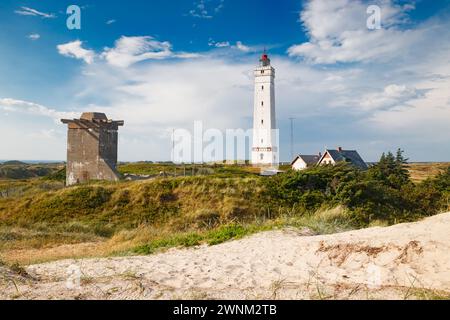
(173, 145)
(292, 137)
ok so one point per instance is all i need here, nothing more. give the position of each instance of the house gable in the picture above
(299, 163)
(304, 161)
(350, 156)
(327, 158)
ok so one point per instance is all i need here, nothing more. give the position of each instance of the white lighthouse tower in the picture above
(265, 136)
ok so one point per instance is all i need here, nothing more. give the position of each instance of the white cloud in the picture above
(20, 106)
(338, 32)
(222, 44)
(75, 50)
(34, 36)
(366, 107)
(226, 44)
(110, 21)
(187, 55)
(129, 50)
(44, 134)
(206, 9)
(126, 51)
(242, 47)
(26, 11)
(171, 99)
(393, 95)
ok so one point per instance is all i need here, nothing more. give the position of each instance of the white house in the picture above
(301, 162)
(333, 156)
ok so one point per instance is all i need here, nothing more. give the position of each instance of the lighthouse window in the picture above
(262, 140)
(262, 88)
(262, 103)
(261, 156)
(262, 121)
(262, 71)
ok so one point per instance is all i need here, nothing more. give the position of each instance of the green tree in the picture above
(391, 170)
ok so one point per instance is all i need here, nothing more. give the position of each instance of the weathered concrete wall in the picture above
(91, 151)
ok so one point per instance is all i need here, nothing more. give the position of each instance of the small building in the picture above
(91, 148)
(333, 156)
(270, 172)
(301, 162)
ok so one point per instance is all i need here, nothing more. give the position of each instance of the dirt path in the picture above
(403, 261)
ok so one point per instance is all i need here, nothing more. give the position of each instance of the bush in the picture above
(310, 188)
(384, 192)
(59, 175)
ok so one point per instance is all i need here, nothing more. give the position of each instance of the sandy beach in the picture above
(406, 261)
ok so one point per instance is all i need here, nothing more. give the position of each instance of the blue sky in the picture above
(161, 65)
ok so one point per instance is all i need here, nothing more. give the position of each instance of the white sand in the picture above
(391, 263)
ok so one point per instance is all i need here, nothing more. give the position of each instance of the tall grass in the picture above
(146, 216)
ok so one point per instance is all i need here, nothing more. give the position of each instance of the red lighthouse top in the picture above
(265, 61)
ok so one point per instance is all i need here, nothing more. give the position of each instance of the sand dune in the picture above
(403, 261)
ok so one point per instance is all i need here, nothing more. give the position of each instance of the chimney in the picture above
(340, 149)
(320, 154)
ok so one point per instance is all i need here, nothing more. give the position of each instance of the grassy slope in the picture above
(103, 219)
(422, 171)
(32, 218)
(19, 170)
(139, 217)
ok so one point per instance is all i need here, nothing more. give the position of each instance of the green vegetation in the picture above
(170, 169)
(227, 203)
(20, 188)
(216, 236)
(19, 170)
(422, 171)
(384, 193)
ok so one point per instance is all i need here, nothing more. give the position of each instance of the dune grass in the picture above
(143, 217)
(422, 171)
(41, 220)
(218, 170)
(38, 247)
(165, 211)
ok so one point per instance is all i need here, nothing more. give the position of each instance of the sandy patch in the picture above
(394, 263)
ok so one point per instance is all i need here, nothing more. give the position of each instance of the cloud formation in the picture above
(20, 106)
(226, 44)
(206, 9)
(242, 47)
(126, 51)
(26, 11)
(393, 93)
(129, 50)
(75, 50)
(34, 36)
(338, 32)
